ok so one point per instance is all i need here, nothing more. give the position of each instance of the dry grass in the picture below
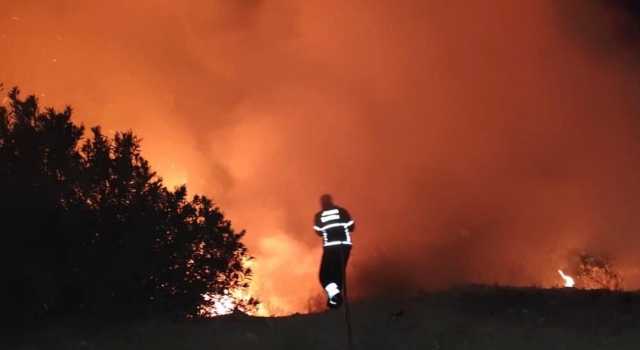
(474, 317)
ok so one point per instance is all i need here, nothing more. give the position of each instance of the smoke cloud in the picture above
(471, 141)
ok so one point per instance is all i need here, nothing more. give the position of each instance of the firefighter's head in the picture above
(326, 202)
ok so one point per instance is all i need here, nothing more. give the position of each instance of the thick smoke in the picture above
(472, 141)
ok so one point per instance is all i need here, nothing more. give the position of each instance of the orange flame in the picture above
(233, 299)
(267, 284)
(568, 280)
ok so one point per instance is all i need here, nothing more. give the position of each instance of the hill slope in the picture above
(474, 317)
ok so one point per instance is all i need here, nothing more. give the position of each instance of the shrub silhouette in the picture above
(87, 227)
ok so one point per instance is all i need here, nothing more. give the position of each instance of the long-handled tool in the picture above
(345, 301)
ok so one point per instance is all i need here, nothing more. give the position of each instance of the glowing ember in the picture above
(568, 281)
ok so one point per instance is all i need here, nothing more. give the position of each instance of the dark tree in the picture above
(596, 271)
(86, 227)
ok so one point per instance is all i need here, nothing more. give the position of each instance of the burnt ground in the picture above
(473, 317)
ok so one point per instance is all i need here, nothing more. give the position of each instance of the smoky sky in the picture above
(471, 141)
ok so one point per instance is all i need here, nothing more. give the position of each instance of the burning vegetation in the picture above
(593, 271)
(236, 298)
(596, 271)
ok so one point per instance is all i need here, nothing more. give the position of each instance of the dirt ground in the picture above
(474, 317)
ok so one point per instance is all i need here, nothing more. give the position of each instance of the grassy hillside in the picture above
(474, 317)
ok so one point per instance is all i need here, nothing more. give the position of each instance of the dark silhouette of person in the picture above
(335, 225)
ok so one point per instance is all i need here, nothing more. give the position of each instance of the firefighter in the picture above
(334, 225)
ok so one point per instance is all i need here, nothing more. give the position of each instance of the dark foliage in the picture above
(596, 271)
(86, 227)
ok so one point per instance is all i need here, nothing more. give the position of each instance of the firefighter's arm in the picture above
(316, 227)
(351, 225)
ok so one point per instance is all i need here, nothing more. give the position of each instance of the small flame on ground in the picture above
(228, 302)
(233, 299)
(222, 304)
(568, 280)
